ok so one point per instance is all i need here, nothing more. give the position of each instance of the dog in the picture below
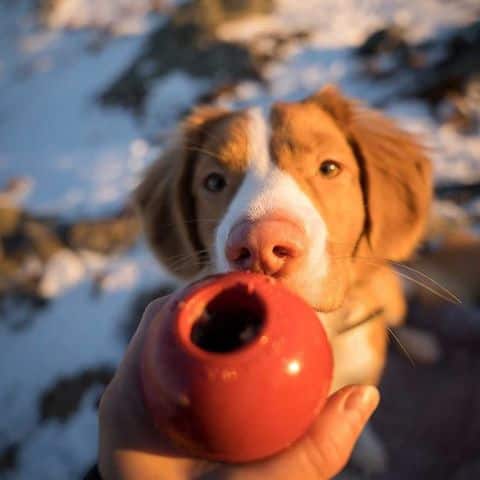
(320, 194)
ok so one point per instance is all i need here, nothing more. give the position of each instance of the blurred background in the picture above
(90, 91)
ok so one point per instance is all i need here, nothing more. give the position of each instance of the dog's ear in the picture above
(395, 175)
(165, 201)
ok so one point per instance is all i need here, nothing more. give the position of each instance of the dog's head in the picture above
(295, 195)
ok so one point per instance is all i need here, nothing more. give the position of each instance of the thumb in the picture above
(329, 442)
(325, 448)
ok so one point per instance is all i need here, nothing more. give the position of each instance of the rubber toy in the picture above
(235, 368)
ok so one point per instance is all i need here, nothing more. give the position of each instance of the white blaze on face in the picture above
(267, 189)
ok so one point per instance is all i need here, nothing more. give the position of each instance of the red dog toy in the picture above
(237, 369)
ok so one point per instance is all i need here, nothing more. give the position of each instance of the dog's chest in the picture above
(359, 352)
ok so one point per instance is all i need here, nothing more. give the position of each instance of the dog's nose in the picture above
(269, 246)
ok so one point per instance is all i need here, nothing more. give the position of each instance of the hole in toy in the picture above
(230, 321)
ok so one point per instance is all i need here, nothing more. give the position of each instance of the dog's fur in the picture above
(373, 211)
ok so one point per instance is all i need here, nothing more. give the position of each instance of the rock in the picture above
(187, 48)
(8, 457)
(457, 112)
(18, 307)
(105, 235)
(41, 256)
(384, 40)
(43, 240)
(188, 43)
(9, 220)
(92, 473)
(433, 69)
(62, 399)
(385, 51)
(459, 193)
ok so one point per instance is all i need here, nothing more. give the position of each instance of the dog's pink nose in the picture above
(270, 245)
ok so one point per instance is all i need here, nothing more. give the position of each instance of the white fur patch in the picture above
(353, 355)
(266, 189)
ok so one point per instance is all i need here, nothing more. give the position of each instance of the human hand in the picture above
(131, 447)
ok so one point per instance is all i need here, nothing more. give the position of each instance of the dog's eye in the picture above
(215, 182)
(330, 168)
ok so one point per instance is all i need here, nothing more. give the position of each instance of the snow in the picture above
(79, 330)
(81, 159)
(66, 269)
(58, 451)
(174, 93)
(63, 270)
(52, 127)
(120, 17)
(343, 23)
(120, 275)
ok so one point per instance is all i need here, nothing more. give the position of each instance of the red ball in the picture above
(236, 369)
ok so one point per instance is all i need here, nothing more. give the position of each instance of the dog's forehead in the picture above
(248, 138)
(302, 124)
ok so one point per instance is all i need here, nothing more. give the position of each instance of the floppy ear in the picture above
(395, 175)
(165, 202)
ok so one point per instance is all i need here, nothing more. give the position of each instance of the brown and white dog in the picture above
(318, 194)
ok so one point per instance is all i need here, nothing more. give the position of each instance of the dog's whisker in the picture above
(448, 298)
(181, 263)
(435, 288)
(186, 255)
(199, 265)
(174, 258)
(400, 344)
(180, 260)
(451, 295)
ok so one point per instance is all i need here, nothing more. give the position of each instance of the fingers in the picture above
(123, 424)
(151, 311)
(326, 447)
(330, 441)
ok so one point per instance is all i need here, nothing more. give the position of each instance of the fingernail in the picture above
(362, 398)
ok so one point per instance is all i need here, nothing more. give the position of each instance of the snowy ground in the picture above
(83, 159)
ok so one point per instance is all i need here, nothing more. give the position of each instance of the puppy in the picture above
(319, 194)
